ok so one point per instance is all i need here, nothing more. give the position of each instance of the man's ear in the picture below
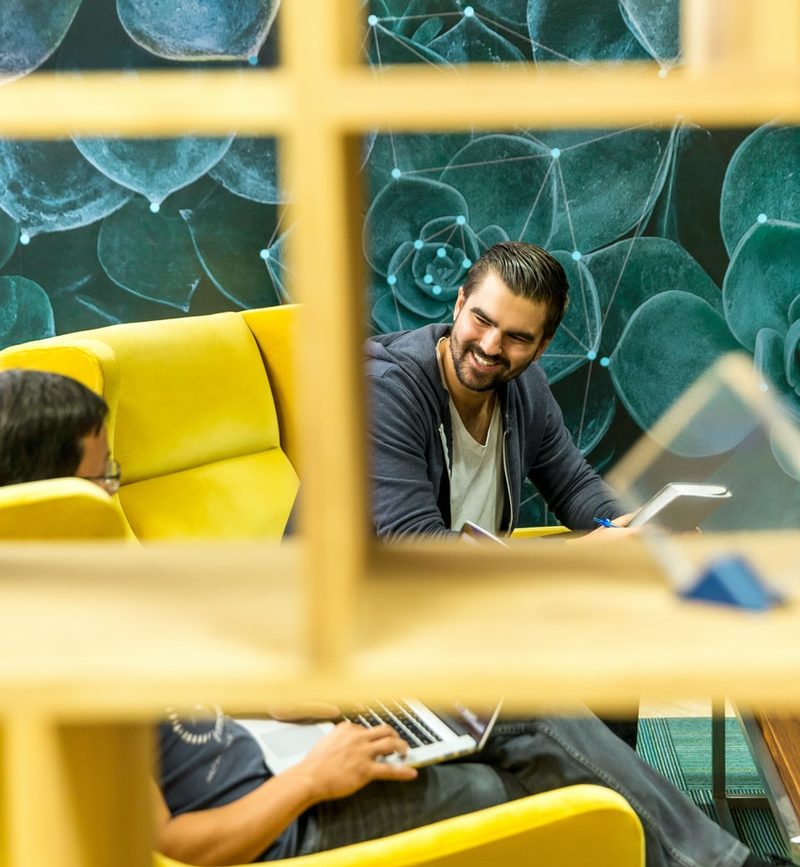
(460, 299)
(542, 346)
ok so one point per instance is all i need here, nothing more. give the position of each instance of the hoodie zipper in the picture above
(443, 438)
(508, 484)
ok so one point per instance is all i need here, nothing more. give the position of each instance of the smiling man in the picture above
(462, 413)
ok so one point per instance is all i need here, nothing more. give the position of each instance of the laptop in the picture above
(471, 532)
(432, 736)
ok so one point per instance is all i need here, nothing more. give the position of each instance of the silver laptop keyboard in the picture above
(400, 716)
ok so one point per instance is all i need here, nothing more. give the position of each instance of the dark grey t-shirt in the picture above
(208, 761)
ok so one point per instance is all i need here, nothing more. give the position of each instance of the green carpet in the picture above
(681, 750)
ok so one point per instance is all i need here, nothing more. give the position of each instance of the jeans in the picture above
(524, 757)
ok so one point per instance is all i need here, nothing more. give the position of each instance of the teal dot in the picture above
(468, 11)
(264, 254)
(555, 153)
(763, 386)
(591, 355)
(441, 252)
(154, 207)
(25, 239)
(396, 173)
(427, 279)
(253, 60)
(762, 218)
(391, 279)
(576, 255)
(418, 245)
(604, 362)
(372, 20)
(437, 290)
(466, 263)
(460, 220)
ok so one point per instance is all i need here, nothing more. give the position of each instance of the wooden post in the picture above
(321, 172)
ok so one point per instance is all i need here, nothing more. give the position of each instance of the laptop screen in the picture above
(477, 721)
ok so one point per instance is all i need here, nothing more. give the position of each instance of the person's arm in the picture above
(343, 762)
(571, 488)
(403, 494)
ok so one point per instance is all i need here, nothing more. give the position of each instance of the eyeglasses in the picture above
(110, 478)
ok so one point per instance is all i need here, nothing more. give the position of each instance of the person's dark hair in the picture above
(43, 418)
(529, 271)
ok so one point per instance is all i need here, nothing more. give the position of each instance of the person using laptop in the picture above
(461, 413)
(216, 802)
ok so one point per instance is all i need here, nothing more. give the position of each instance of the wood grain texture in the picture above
(782, 736)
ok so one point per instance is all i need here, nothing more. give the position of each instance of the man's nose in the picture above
(491, 342)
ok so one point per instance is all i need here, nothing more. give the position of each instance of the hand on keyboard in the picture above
(351, 756)
(393, 759)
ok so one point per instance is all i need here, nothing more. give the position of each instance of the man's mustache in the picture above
(489, 359)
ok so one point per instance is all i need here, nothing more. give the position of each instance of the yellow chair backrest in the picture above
(59, 509)
(192, 421)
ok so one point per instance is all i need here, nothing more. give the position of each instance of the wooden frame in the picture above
(73, 754)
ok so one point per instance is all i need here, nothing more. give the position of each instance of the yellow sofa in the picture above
(201, 417)
(579, 826)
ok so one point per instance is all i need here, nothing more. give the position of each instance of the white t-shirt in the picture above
(476, 477)
(476, 482)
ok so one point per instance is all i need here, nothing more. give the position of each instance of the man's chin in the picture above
(479, 383)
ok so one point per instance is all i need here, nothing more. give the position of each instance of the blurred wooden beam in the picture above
(409, 98)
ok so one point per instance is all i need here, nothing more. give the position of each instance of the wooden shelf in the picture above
(98, 639)
(108, 629)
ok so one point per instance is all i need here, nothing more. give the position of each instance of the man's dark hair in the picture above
(529, 271)
(43, 418)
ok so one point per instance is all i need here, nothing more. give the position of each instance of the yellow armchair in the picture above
(201, 417)
(578, 826)
(59, 509)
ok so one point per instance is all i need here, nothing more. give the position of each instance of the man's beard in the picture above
(473, 379)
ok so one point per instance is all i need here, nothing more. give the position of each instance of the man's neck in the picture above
(474, 407)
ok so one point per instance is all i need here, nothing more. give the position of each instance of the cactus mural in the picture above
(680, 244)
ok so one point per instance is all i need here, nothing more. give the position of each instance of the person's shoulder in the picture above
(410, 351)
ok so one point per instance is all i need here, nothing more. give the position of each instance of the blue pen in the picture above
(605, 522)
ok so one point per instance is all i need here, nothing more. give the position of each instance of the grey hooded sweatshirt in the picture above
(412, 443)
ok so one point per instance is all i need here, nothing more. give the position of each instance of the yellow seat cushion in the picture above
(244, 497)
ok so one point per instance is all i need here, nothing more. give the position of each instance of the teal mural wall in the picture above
(680, 244)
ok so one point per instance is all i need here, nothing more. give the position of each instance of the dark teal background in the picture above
(680, 243)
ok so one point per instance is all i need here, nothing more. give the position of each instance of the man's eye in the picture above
(481, 320)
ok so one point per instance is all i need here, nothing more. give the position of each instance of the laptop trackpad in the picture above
(284, 744)
(294, 739)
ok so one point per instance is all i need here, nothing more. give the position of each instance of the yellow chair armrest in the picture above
(577, 826)
(68, 508)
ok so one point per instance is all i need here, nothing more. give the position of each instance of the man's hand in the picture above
(620, 530)
(345, 760)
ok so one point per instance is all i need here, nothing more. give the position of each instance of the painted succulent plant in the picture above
(680, 244)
